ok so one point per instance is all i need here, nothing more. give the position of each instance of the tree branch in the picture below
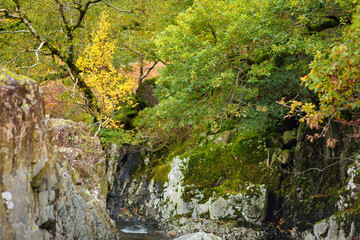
(142, 75)
(14, 32)
(117, 9)
(148, 71)
(62, 14)
(37, 57)
(7, 13)
(82, 12)
(24, 19)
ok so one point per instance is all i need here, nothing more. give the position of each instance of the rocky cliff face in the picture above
(42, 194)
(145, 199)
(225, 185)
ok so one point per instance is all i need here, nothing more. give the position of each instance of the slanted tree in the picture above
(53, 27)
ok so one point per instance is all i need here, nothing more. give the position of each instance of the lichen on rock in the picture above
(39, 199)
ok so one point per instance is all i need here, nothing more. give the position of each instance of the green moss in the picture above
(74, 174)
(4, 72)
(161, 173)
(205, 215)
(82, 117)
(152, 80)
(225, 169)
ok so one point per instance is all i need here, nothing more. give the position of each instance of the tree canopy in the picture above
(225, 61)
(235, 59)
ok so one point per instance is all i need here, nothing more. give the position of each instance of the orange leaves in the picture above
(331, 142)
(335, 77)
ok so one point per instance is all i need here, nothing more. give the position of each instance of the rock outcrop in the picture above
(300, 190)
(345, 224)
(42, 196)
(145, 199)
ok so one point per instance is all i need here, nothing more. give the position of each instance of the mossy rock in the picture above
(39, 179)
(146, 92)
(289, 137)
(285, 156)
(226, 169)
(161, 173)
(274, 140)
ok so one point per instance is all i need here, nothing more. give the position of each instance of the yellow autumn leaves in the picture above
(111, 88)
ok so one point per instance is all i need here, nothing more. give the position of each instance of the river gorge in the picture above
(58, 182)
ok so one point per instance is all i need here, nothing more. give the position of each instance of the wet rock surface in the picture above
(40, 196)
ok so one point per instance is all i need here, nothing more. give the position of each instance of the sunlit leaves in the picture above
(236, 58)
(111, 88)
(335, 77)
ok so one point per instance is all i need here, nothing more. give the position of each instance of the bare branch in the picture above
(42, 52)
(14, 59)
(148, 71)
(100, 125)
(142, 74)
(82, 12)
(116, 8)
(37, 57)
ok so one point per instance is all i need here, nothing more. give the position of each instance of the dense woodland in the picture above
(230, 63)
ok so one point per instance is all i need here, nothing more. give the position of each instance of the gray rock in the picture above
(198, 236)
(220, 209)
(308, 236)
(36, 180)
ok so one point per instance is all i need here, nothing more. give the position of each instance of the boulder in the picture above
(146, 93)
(39, 198)
(198, 236)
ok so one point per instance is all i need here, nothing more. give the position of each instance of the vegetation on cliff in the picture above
(232, 71)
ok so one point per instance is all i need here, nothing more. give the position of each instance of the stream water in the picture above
(140, 231)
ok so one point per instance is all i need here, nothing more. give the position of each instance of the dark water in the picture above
(140, 231)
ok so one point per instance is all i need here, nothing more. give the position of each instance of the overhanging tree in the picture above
(55, 33)
(234, 59)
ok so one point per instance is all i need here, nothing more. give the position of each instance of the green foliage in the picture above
(117, 136)
(18, 45)
(235, 59)
(50, 40)
(137, 25)
(334, 77)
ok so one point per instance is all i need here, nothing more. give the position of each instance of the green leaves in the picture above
(234, 59)
(335, 77)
